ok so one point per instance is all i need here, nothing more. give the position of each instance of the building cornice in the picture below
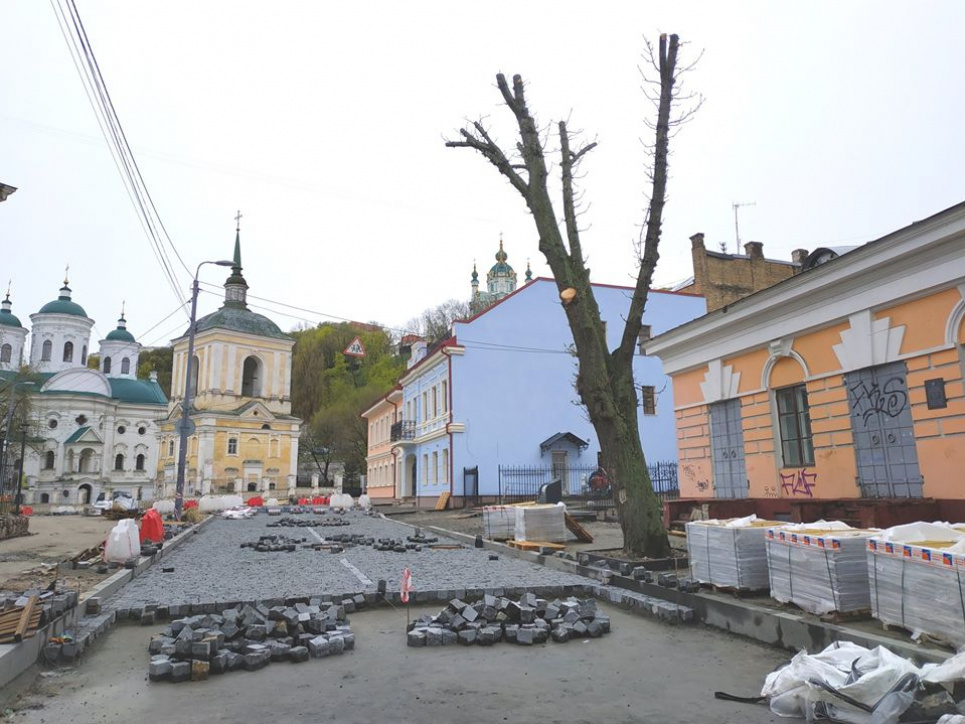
(917, 260)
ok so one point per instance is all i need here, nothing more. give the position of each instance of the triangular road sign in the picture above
(355, 349)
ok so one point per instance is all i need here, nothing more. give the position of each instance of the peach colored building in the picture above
(382, 472)
(843, 381)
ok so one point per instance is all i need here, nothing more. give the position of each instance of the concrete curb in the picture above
(777, 628)
(15, 659)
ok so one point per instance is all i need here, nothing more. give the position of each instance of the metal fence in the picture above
(589, 484)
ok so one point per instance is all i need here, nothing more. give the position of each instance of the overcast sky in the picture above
(324, 123)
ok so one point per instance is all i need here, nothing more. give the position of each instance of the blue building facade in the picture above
(501, 393)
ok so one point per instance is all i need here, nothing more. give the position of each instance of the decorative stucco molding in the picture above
(868, 342)
(720, 382)
(955, 319)
(778, 349)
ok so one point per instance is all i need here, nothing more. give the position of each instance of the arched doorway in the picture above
(251, 377)
(84, 493)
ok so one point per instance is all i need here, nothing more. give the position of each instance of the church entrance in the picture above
(84, 493)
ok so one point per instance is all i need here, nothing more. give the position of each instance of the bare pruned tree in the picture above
(605, 378)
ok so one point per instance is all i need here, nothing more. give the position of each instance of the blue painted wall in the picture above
(514, 386)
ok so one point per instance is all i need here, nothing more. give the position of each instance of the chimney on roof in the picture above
(754, 250)
(697, 241)
(799, 255)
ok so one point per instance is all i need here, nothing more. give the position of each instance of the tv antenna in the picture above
(737, 232)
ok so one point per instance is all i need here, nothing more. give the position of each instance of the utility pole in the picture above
(737, 233)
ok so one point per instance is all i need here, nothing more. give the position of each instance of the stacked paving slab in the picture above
(493, 619)
(249, 638)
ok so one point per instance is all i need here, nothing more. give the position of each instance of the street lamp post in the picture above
(186, 401)
(11, 404)
(23, 454)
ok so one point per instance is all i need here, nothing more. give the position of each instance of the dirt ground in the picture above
(52, 539)
(644, 671)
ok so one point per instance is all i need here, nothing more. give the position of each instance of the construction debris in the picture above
(22, 614)
(250, 637)
(492, 619)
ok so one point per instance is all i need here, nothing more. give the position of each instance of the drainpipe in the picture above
(393, 447)
(452, 456)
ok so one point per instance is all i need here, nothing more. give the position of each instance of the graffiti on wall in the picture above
(691, 473)
(703, 485)
(799, 483)
(888, 398)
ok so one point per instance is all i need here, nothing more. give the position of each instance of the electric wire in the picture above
(98, 96)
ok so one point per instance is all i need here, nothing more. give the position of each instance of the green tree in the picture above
(160, 359)
(605, 378)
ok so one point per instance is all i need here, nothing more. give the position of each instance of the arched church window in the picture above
(193, 384)
(6, 352)
(107, 365)
(119, 462)
(139, 462)
(49, 460)
(251, 378)
(46, 351)
(125, 366)
(68, 351)
(83, 355)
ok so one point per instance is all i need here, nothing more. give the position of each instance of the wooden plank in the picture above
(533, 545)
(25, 618)
(576, 529)
(443, 501)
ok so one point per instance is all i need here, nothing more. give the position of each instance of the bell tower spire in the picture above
(236, 288)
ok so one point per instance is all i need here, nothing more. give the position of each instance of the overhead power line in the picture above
(85, 62)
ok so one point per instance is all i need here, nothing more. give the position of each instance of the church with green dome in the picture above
(500, 281)
(94, 431)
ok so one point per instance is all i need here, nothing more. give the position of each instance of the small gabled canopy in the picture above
(565, 437)
(85, 434)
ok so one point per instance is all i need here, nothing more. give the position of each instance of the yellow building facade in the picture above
(245, 439)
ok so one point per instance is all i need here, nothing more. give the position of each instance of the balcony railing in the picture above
(402, 430)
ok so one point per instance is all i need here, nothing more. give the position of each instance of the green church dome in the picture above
(63, 304)
(239, 320)
(7, 318)
(120, 334)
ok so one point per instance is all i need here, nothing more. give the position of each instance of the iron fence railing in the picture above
(589, 484)
(402, 430)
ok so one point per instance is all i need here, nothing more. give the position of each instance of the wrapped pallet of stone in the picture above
(729, 553)
(499, 522)
(541, 523)
(820, 567)
(916, 577)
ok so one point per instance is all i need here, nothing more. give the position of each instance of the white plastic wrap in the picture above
(216, 503)
(164, 507)
(123, 542)
(365, 502)
(499, 522)
(820, 567)
(341, 501)
(854, 671)
(542, 523)
(729, 553)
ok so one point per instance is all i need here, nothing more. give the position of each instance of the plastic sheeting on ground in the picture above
(341, 501)
(499, 522)
(729, 553)
(216, 503)
(123, 542)
(820, 567)
(239, 513)
(542, 523)
(833, 683)
(916, 580)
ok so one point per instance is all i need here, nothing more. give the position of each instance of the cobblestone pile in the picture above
(249, 638)
(493, 619)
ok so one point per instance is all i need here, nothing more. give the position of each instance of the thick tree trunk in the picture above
(605, 379)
